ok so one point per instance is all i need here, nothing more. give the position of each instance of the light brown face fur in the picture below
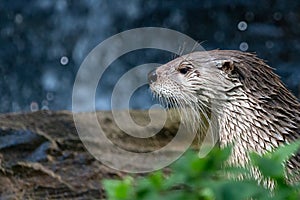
(194, 82)
(195, 78)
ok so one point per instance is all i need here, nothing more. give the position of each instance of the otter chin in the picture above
(238, 94)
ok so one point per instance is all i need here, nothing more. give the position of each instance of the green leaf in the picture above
(283, 153)
(179, 195)
(156, 179)
(208, 178)
(268, 166)
(118, 189)
(236, 190)
(271, 164)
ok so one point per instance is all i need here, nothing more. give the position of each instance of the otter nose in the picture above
(152, 76)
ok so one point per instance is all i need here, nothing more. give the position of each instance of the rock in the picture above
(42, 156)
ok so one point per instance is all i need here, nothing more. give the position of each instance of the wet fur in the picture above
(253, 109)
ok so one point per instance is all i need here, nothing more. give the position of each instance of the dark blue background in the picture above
(43, 42)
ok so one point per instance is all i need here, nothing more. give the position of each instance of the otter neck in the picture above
(248, 127)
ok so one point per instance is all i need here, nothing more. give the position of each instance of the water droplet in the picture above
(242, 26)
(277, 16)
(64, 60)
(269, 44)
(244, 46)
(18, 19)
(50, 96)
(34, 106)
(44, 103)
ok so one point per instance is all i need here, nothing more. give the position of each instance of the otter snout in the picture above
(152, 76)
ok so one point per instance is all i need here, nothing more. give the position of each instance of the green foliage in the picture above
(208, 179)
(272, 165)
(119, 189)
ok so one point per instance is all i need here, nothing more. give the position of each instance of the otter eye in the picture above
(184, 70)
(184, 67)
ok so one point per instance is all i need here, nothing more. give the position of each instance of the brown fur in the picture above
(255, 111)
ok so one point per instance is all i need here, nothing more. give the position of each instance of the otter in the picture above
(253, 109)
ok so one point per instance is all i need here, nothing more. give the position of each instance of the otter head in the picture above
(196, 79)
(199, 84)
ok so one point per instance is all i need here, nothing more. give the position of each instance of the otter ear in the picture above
(227, 66)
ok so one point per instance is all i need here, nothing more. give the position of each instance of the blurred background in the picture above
(44, 42)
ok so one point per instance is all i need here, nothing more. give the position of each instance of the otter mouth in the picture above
(174, 84)
(161, 91)
(166, 98)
